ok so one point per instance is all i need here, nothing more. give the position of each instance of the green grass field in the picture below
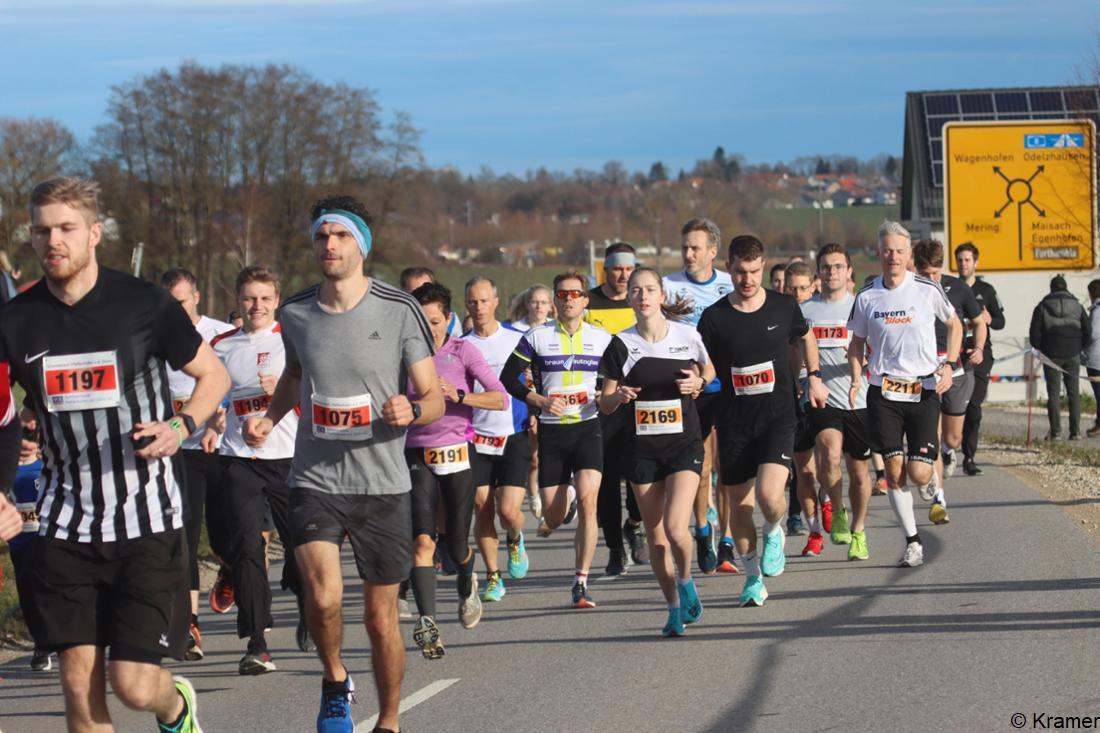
(806, 219)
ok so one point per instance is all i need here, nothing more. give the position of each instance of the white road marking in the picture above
(409, 702)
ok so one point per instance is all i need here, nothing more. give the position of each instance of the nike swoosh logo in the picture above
(772, 328)
(785, 458)
(36, 357)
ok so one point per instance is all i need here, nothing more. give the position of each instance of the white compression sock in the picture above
(771, 528)
(901, 501)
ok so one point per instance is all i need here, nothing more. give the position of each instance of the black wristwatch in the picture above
(814, 373)
(461, 395)
(188, 422)
(416, 410)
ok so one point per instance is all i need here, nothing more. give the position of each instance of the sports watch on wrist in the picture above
(416, 410)
(461, 395)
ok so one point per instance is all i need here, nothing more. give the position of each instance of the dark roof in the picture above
(927, 112)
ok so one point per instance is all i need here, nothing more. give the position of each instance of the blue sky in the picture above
(518, 84)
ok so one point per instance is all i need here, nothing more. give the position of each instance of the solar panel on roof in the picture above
(933, 109)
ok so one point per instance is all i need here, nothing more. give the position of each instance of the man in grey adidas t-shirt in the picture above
(352, 343)
(839, 427)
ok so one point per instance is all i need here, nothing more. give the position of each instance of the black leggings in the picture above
(251, 487)
(202, 485)
(609, 502)
(973, 422)
(456, 490)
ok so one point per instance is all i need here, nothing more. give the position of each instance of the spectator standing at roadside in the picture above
(1092, 352)
(1060, 330)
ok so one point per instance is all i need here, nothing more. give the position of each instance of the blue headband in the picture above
(352, 222)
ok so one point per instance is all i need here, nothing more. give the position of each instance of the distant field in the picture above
(805, 220)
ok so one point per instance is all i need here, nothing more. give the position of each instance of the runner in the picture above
(749, 334)
(91, 347)
(255, 479)
(798, 282)
(203, 472)
(502, 445)
(928, 260)
(608, 309)
(699, 285)
(412, 278)
(966, 260)
(439, 457)
(564, 357)
(894, 316)
(656, 368)
(350, 343)
(25, 493)
(538, 308)
(838, 430)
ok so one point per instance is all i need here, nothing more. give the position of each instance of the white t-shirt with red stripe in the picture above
(247, 355)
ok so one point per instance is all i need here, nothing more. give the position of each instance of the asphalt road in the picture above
(1001, 620)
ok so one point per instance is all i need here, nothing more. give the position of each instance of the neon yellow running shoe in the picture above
(187, 723)
(858, 549)
(840, 534)
(937, 514)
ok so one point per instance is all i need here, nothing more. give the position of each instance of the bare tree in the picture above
(31, 150)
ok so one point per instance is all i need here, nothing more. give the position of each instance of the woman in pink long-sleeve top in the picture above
(439, 457)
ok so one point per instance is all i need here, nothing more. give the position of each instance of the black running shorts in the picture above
(379, 527)
(646, 470)
(917, 423)
(741, 452)
(855, 425)
(803, 433)
(566, 449)
(131, 596)
(509, 469)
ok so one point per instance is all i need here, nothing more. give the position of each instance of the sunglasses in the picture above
(569, 294)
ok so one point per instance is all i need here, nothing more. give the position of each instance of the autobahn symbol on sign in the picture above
(1023, 191)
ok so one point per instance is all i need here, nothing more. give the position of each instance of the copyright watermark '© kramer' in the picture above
(1053, 721)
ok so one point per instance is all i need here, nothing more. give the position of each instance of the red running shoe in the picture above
(221, 595)
(827, 516)
(813, 545)
(879, 489)
(194, 644)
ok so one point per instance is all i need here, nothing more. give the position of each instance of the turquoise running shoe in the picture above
(753, 593)
(691, 608)
(518, 561)
(494, 588)
(675, 624)
(773, 560)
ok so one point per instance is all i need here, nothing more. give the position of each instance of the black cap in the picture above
(1058, 283)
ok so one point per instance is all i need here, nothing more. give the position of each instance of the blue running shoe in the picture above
(712, 515)
(691, 608)
(773, 560)
(494, 588)
(335, 714)
(675, 624)
(706, 554)
(753, 593)
(518, 561)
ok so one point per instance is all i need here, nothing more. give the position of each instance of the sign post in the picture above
(1023, 191)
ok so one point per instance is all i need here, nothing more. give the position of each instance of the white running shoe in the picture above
(469, 610)
(914, 556)
(928, 490)
(534, 505)
(950, 463)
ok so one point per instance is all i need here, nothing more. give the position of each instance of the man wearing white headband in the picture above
(608, 309)
(353, 344)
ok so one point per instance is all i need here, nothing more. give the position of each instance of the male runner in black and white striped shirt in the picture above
(91, 348)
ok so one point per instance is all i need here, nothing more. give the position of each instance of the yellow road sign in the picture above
(1024, 192)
